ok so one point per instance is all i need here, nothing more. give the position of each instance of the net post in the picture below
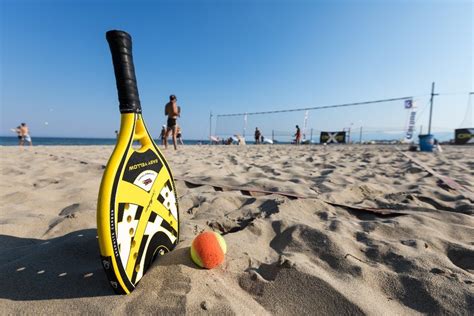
(245, 124)
(210, 127)
(431, 106)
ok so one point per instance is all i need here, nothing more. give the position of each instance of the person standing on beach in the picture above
(163, 135)
(298, 135)
(179, 135)
(18, 132)
(172, 111)
(257, 135)
(25, 134)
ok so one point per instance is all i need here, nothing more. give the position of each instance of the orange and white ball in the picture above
(208, 250)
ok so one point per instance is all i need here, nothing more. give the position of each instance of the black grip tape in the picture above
(120, 44)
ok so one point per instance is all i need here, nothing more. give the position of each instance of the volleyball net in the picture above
(387, 120)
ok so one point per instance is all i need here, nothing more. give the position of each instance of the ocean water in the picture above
(63, 141)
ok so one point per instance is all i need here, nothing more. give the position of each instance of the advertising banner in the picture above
(333, 137)
(411, 125)
(464, 136)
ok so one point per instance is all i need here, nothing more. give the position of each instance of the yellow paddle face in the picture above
(137, 213)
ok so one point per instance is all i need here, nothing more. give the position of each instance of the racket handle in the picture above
(120, 44)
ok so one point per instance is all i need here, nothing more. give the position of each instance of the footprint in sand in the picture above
(461, 257)
(268, 284)
(69, 210)
(41, 183)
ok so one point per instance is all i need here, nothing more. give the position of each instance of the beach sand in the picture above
(285, 256)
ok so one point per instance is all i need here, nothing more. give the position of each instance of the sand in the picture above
(285, 256)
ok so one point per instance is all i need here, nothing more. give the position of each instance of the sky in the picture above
(233, 56)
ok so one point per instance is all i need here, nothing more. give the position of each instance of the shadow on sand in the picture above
(62, 267)
(58, 268)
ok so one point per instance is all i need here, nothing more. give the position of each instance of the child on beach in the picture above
(163, 134)
(18, 132)
(179, 136)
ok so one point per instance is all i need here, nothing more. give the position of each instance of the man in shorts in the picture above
(172, 110)
(25, 134)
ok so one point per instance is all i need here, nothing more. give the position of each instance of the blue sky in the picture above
(232, 56)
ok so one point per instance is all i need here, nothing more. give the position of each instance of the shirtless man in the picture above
(25, 135)
(172, 111)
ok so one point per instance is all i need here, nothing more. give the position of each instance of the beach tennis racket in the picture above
(137, 210)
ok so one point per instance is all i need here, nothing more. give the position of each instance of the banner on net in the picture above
(333, 137)
(464, 136)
